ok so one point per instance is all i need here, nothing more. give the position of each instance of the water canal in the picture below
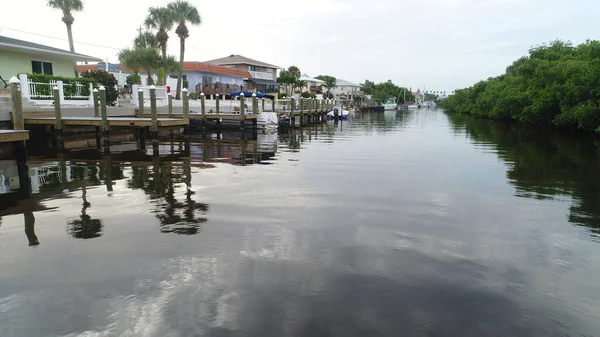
(407, 224)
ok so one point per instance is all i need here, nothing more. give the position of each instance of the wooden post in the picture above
(242, 110)
(154, 112)
(103, 110)
(96, 98)
(170, 100)
(203, 104)
(17, 108)
(273, 104)
(140, 103)
(217, 102)
(57, 109)
(263, 104)
(186, 104)
(254, 104)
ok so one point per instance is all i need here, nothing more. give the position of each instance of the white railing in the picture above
(161, 95)
(42, 93)
(262, 75)
(39, 90)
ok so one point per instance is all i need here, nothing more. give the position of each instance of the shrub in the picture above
(133, 79)
(186, 83)
(194, 95)
(307, 94)
(281, 95)
(108, 80)
(69, 85)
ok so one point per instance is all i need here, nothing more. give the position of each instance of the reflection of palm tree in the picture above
(30, 229)
(85, 227)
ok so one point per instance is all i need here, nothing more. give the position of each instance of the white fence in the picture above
(42, 94)
(161, 95)
(122, 79)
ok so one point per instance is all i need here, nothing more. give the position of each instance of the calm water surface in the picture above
(407, 224)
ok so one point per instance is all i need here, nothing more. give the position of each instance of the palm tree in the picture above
(165, 66)
(130, 58)
(160, 18)
(145, 40)
(68, 6)
(183, 12)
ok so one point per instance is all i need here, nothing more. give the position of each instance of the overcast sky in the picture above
(439, 44)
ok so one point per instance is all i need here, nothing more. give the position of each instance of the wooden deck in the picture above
(112, 121)
(7, 136)
(212, 116)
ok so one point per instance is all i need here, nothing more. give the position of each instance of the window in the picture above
(41, 67)
(207, 79)
(270, 70)
(253, 68)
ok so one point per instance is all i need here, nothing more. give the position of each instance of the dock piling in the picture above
(217, 103)
(104, 114)
(186, 109)
(242, 110)
(170, 100)
(57, 109)
(154, 113)
(254, 104)
(140, 103)
(17, 108)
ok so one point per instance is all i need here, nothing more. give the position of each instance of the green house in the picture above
(18, 56)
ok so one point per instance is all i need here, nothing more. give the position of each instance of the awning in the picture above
(249, 94)
(261, 81)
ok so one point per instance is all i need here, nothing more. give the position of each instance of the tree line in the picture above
(557, 84)
(383, 91)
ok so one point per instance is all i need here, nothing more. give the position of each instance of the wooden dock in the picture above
(112, 121)
(9, 136)
(207, 116)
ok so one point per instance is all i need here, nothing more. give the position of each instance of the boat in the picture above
(338, 111)
(390, 104)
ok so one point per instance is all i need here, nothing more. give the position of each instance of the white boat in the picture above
(390, 104)
(336, 109)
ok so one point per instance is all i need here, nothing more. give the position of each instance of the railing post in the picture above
(186, 104)
(57, 109)
(61, 89)
(254, 104)
(170, 102)
(154, 112)
(95, 96)
(103, 111)
(17, 104)
(217, 102)
(140, 103)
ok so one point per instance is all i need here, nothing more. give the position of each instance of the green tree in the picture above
(161, 19)
(67, 7)
(290, 78)
(108, 80)
(330, 81)
(183, 13)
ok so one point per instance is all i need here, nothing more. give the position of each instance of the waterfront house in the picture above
(346, 90)
(313, 85)
(200, 77)
(19, 56)
(263, 76)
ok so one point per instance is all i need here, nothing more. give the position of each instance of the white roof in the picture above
(343, 83)
(307, 78)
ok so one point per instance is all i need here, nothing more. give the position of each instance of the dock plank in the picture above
(200, 116)
(7, 136)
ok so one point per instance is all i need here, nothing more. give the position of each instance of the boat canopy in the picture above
(249, 94)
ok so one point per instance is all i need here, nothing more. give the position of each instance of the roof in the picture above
(307, 78)
(239, 59)
(187, 66)
(263, 81)
(340, 82)
(7, 43)
(211, 68)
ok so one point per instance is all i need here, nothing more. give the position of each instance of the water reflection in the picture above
(543, 164)
(85, 227)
